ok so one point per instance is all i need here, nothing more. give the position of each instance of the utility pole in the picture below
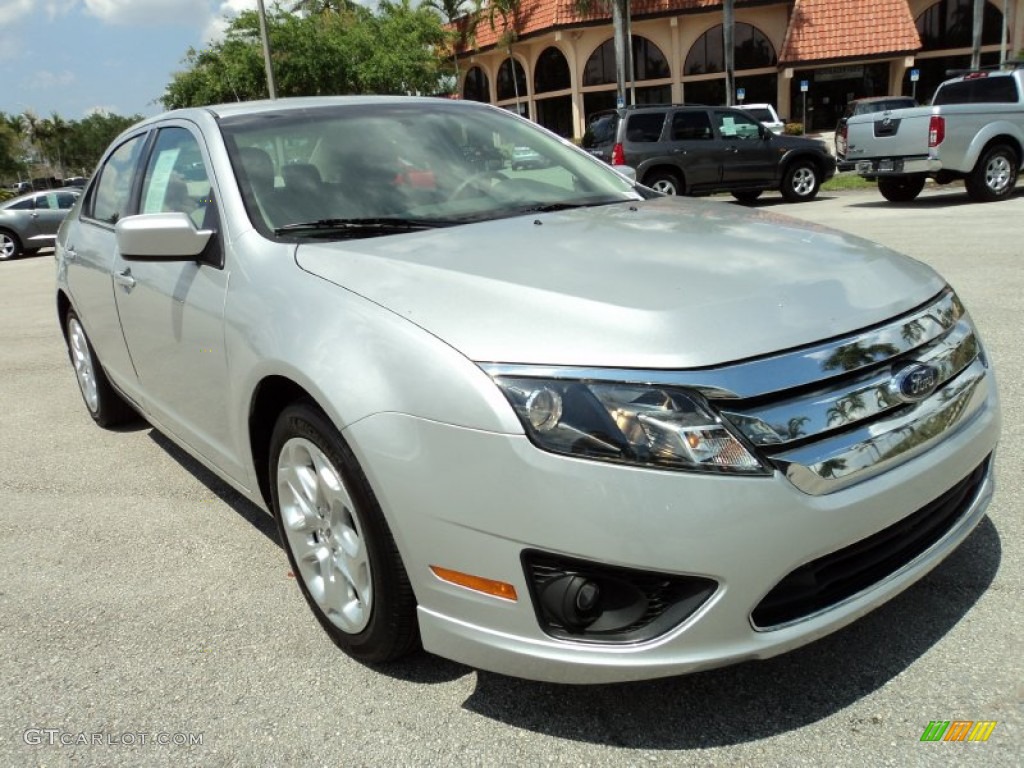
(271, 87)
(979, 15)
(729, 49)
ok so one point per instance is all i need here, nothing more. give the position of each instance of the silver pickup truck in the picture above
(973, 130)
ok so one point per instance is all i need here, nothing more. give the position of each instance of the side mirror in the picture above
(161, 237)
(765, 131)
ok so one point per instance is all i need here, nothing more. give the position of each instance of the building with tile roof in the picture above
(556, 65)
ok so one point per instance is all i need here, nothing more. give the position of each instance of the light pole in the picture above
(271, 87)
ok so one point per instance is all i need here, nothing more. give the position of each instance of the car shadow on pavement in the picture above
(756, 700)
(260, 520)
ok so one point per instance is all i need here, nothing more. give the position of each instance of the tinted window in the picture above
(24, 205)
(66, 200)
(601, 130)
(645, 127)
(112, 197)
(687, 126)
(997, 90)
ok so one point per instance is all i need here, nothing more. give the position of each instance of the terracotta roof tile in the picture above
(832, 29)
(536, 16)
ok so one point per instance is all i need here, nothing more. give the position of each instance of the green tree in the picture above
(333, 48)
(11, 166)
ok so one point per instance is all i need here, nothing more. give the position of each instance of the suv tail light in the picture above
(936, 130)
(618, 155)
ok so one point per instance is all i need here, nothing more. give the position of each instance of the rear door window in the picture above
(691, 126)
(645, 127)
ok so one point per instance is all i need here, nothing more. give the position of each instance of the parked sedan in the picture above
(30, 222)
(553, 425)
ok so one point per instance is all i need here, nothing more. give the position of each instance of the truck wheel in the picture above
(800, 182)
(665, 182)
(995, 175)
(901, 189)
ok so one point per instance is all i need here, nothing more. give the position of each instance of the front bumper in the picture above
(473, 501)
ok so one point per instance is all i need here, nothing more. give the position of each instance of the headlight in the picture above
(630, 423)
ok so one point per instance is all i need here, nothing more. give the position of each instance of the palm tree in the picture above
(508, 10)
(729, 49)
(623, 42)
(451, 11)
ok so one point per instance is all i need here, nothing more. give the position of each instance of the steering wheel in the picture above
(476, 182)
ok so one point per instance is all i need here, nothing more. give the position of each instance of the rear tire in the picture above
(105, 405)
(10, 246)
(800, 182)
(995, 175)
(665, 182)
(340, 548)
(900, 189)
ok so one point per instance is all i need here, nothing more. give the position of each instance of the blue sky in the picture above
(72, 57)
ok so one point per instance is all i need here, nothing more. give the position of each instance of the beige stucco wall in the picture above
(675, 36)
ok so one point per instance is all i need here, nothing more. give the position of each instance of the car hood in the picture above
(666, 283)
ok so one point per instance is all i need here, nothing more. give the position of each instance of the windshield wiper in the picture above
(378, 224)
(551, 207)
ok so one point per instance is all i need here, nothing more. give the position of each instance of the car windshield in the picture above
(353, 170)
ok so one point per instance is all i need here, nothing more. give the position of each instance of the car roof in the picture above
(873, 99)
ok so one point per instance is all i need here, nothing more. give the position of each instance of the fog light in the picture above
(572, 600)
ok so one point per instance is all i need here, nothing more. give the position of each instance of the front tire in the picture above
(900, 189)
(10, 246)
(338, 543)
(800, 182)
(995, 175)
(105, 405)
(665, 182)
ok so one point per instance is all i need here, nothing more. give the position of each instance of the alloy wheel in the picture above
(325, 535)
(85, 370)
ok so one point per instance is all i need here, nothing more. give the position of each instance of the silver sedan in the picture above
(547, 423)
(29, 222)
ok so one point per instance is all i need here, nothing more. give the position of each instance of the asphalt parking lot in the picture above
(147, 616)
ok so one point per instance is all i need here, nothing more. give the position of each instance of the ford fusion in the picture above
(529, 416)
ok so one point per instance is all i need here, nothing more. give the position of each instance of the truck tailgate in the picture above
(900, 133)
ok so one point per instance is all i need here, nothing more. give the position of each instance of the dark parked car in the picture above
(864, 107)
(30, 222)
(693, 150)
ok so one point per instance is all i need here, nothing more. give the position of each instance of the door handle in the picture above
(125, 279)
(70, 254)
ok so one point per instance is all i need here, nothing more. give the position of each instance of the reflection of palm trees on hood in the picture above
(850, 357)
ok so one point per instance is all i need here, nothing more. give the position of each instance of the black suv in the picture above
(694, 150)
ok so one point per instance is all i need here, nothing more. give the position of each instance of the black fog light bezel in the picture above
(667, 599)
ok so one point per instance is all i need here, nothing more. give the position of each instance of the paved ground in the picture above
(141, 600)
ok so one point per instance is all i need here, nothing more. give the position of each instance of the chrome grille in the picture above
(851, 421)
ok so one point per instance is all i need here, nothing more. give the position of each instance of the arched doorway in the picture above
(650, 67)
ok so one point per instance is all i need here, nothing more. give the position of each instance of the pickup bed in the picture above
(973, 130)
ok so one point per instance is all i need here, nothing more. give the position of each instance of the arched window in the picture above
(476, 86)
(950, 24)
(752, 51)
(649, 63)
(552, 73)
(506, 88)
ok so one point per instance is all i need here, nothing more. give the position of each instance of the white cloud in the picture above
(44, 79)
(148, 12)
(215, 27)
(12, 11)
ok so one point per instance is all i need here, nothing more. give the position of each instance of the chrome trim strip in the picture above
(780, 372)
(832, 464)
(810, 415)
(967, 523)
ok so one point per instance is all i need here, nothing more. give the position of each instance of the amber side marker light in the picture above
(476, 583)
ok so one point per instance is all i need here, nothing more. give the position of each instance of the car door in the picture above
(747, 154)
(693, 147)
(172, 312)
(50, 210)
(88, 259)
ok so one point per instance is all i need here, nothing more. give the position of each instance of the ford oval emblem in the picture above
(915, 382)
